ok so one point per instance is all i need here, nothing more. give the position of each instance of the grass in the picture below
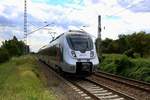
(136, 68)
(19, 80)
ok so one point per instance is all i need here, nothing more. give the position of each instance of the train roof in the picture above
(70, 32)
(66, 33)
(79, 31)
(76, 32)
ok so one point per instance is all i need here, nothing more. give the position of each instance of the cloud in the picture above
(70, 14)
(136, 5)
(4, 21)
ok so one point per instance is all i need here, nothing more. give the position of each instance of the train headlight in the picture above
(92, 54)
(73, 53)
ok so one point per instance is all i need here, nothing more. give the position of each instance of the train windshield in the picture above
(80, 42)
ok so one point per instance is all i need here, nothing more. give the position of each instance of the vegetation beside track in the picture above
(136, 68)
(20, 80)
(12, 48)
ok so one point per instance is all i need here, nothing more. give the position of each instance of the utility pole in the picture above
(25, 26)
(99, 37)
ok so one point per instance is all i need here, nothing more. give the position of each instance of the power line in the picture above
(32, 24)
(129, 6)
(37, 29)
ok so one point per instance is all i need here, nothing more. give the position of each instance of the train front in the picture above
(80, 54)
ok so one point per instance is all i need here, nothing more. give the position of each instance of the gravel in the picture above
(138, 94)
(61, 88)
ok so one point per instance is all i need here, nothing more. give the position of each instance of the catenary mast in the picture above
(99, 37)
(25, 25)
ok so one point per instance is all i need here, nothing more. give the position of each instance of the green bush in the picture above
(14, 47)
(122, 64)
(4, 55)
(108, 63)
(111, 68)
(129, 53)
(136, 55)
(147, 79)
(141, 69)
(137, 68)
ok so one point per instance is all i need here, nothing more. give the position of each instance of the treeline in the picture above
(12, 48)
(131, 45)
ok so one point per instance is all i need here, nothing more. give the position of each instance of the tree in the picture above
(140, 42)
(105, 45)
(4, 55)
(124, 44)
(113, 47)
(128, 44)
(14, 47)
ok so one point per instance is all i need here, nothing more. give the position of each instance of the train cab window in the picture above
(80, 42)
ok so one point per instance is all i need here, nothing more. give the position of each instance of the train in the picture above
(72, 52)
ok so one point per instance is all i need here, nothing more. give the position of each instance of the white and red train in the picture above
(71, 52)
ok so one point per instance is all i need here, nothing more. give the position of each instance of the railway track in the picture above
(93, 90)
(129, 82)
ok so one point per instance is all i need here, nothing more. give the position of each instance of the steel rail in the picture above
(130, 82)
(112, 90)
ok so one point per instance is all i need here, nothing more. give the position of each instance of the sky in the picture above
(118, 17)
